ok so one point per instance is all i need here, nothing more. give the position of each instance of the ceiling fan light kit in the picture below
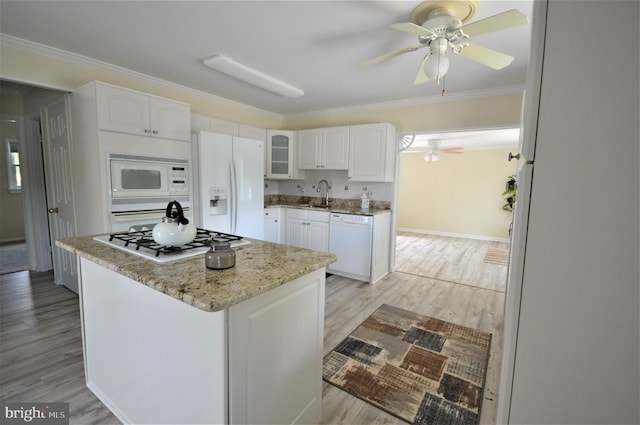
(251, 76)
(440, 23)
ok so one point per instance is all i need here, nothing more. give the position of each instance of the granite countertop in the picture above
(336, 205)
(342, 209)
(260, 267)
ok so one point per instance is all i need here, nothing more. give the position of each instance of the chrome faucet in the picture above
(326, 200)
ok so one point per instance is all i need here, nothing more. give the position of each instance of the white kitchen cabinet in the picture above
(129, 111)
(324, 148)
(372, 149)
(251, 132)
(309, 146)
(92, 145)
(307, 229)
(273, 228)
(214, 125)
(275, 365)
(281, 155)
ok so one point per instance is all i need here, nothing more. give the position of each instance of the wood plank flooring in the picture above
(41, 346)
(456, 260)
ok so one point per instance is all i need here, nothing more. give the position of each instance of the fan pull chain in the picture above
(444, 81)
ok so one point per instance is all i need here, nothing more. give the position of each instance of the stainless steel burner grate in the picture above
(144, 239)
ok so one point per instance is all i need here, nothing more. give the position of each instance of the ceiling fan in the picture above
(439, 25)
(434, 151)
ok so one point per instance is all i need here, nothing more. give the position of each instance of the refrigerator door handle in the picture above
(233, 195)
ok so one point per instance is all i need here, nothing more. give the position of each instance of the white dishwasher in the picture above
(350, 238)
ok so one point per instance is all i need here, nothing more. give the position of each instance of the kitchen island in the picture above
(179, 343)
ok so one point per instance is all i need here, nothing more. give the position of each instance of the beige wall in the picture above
(28, 67)
(11, 212)
(460, 194)
(443, 114)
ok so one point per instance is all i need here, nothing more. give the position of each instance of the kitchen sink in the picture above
(323, 207)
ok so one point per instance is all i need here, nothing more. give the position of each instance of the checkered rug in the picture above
(420, 369)
(497, 256)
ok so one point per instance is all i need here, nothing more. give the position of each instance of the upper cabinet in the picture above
(372, 150)
(323, 148)
(281, 154)
(129, 111)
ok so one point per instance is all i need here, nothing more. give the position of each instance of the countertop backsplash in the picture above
(341, 190)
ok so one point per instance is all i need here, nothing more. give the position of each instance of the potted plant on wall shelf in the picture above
(510, 194)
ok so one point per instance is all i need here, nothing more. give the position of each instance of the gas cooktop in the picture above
(141, 243)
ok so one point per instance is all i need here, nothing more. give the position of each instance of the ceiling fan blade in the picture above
(502, 21)
(421, 77)
(390, 55)
(412, 28)
(488, 57)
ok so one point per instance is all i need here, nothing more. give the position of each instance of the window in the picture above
(13, 166)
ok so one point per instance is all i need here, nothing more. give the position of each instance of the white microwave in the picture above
(148, 177)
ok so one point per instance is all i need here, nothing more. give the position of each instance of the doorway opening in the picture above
(451, 224)
(25, 218)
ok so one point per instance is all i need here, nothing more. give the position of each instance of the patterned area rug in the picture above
(497, 256)
(421, 369)
(13, 258)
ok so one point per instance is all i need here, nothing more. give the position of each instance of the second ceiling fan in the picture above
(439, 25)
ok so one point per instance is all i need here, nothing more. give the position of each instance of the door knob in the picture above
(53, 210)
(512, 156)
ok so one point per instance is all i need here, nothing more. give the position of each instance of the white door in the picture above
(59, 190)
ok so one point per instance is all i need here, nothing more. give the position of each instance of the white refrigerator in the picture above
(229, 180)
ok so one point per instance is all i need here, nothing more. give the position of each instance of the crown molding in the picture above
(416, 101)
(55, 53)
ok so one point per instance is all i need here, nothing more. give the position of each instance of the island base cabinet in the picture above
(275, 356)
(148, 357)
(153, 359)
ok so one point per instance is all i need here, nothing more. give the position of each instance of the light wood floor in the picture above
(458, 260)
(41, 346)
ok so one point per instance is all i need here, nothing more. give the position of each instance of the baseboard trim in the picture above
(454, 235)
(10, 241)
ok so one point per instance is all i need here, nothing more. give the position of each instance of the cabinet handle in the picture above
(53, 210)
(155, 131)
(146, 130)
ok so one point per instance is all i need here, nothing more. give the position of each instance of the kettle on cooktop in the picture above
(175, 229)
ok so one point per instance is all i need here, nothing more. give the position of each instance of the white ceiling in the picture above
(314, 45)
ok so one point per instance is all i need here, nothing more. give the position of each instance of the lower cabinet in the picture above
(307, 229)
(273, 228)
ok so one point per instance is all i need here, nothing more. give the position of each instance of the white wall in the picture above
(577, 358)
(341, 187)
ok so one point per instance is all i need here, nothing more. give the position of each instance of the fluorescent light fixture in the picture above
(248, 75)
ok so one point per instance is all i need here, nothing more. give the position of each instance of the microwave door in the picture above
(138, 179)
